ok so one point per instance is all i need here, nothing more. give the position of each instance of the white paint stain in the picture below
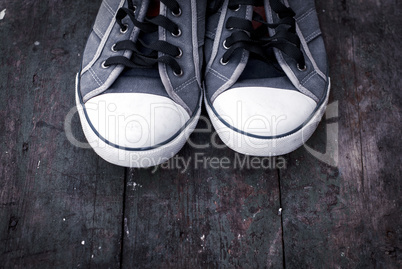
(37, 43)
(64, 219)
(126, 226)
(2, 14)
(202, 244)
(82, 242)
(134, 185)
(37, 167)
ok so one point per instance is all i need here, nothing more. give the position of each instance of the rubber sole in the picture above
(253, 145)
(131, 157)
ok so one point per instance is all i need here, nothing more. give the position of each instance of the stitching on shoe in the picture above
(308, 53)
(305, 15)
(218, 75)
(98, 32)
(95, 77)
(295, 80)
(163, 71)
(308, 77)
(185, 84)
(101, 45)
(109, 8)
(312, 36)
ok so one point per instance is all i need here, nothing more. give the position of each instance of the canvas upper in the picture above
(139, 85)
(183, 90)
(265, 86)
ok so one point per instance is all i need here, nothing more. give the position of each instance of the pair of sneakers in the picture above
(260, 67)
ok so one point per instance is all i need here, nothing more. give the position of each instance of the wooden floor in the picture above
(61, 206)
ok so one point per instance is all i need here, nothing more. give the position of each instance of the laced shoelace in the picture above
(145, 55)
(257, 40)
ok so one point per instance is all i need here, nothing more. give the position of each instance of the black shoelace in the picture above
(146, 55)
(257, 40)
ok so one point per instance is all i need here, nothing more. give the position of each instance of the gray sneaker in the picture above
(266, 79)
(138, 92)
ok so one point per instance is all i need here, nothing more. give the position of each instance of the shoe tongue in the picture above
(153, 9)
(257, 69)
(149, 38)
(260, 11)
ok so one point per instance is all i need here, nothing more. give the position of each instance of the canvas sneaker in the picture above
(139, 88)
(266, 78)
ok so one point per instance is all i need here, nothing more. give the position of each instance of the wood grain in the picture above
(349, 216)
(206, 217)
(60, 205)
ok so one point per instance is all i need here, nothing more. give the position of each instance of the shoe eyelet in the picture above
(123, 31)
(222, 62)
(177, 34)
(224, 44)
(178, 14)
(302, 69)
(114, 48)
(178, 74)
(105, 66)
(180, 54)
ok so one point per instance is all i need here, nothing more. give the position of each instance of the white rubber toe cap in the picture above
(135, 120)
(264, 111)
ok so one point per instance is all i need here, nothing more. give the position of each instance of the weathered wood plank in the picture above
(53, 195)
(60, 205)
(348, 216)
(206, 217)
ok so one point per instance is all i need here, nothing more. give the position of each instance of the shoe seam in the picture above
(95, 77)
(185, 84)
(101, 45)
(218, 75)
(109, 8)
(305, 15)
(308, 77)
(98, 32)
(312, 36)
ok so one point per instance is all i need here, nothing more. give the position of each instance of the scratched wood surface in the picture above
(206, 216)
(63, 207)
(60, 205)
(349, 216)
